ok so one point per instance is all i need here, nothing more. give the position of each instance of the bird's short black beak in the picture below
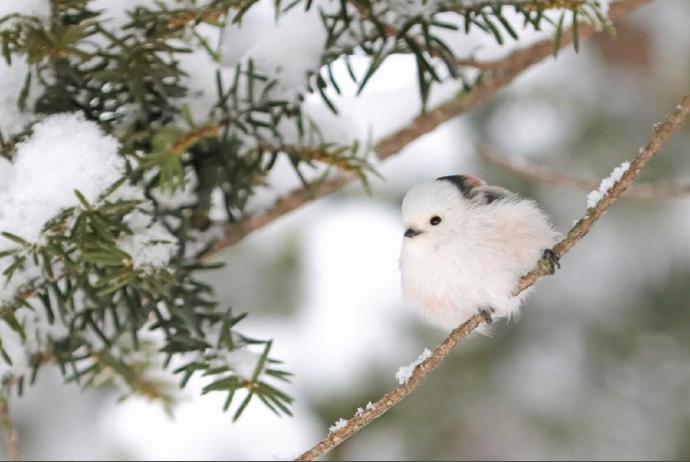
(412, 233)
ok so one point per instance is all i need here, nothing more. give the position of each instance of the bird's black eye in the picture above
(435, 220)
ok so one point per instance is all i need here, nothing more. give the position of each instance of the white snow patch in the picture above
(200, 80)
(39, 329)
(239, 37)
(39, 8)
(291, 49)
(67, 153)
(361, 410)
(150, 244)
(338, 425)
(405, 372)
(595, 196)
(241, 361)
(64, 153)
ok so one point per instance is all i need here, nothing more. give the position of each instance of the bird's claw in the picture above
(486, 314)
(552, 260)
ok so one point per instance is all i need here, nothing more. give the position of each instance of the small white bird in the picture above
(466, 247)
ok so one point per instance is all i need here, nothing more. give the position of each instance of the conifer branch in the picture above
(662, 133)
(497, 76)
(536, 4)
(108, 261)
(540, 173)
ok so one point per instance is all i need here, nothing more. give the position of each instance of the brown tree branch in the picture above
(11, 436)
(534, 5)
(529, 170)
(497, 76)
(662, 133)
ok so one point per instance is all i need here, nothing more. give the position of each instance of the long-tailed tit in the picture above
(466, 245)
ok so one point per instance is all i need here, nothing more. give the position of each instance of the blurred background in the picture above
(597, 366)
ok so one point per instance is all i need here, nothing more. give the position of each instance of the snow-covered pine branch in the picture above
(495, 75)
(124, 132)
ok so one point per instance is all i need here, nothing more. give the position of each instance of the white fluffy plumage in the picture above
(466, 246)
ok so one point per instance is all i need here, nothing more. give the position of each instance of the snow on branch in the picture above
(606, 184)
(529, 170)
(496, 75)
(405, 372)
(662, 133)
(94, 248)
(117, 126)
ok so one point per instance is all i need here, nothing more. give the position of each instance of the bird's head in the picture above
(435, 210)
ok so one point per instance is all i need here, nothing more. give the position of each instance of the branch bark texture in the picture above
(662, 133)
(11, 436)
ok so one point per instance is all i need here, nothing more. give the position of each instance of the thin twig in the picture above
(393, 397)
(519, 165)
(11, 436)
(662, 133)
(497, 76)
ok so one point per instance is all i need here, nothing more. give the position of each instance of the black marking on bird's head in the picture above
(467, 185)
(493, 195)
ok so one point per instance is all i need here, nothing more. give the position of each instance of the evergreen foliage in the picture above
(119, 320)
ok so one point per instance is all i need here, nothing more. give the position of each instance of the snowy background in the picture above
(598, 365)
